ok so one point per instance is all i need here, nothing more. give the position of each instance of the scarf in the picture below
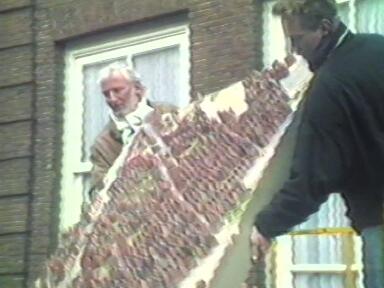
(131, 123)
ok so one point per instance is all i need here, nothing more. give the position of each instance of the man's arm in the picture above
(314, 174)
(320, 165)
(104, 152)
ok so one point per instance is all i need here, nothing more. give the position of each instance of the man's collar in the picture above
(328, 45)
(133, 119)
(342, 38)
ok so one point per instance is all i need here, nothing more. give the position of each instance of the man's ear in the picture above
(326, 26)
(140, 91)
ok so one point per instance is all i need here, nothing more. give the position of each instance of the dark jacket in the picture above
(340, 145)
(104, 152)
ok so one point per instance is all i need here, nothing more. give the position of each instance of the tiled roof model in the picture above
(172, 198)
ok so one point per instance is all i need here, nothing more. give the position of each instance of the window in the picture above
(304, 258)
(329, 259)
(162, 59)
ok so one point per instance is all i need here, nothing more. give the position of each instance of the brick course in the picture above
(14, 176)
(8, 5)
(16, 103)
(15, 28)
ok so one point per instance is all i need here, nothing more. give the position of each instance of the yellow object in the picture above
(324, 231)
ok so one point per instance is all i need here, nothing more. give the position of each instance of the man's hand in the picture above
(259, 244)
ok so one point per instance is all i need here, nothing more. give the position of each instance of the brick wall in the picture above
(225, 44)
(16, 121)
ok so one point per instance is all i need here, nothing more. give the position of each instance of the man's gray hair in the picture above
(121, 69)
(310, 11)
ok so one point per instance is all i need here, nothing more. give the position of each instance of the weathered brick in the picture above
(36, 267)
(12, 4)
(13, 214)
(86, 16)
(15, 140)
(12, 281)
(15, 176)
(16, 103)
(16, 28)
(16, 65)
(12, 249)
(42, 239)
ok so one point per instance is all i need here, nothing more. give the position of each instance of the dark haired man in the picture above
(340, 145)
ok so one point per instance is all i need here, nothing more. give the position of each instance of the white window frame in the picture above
(285, 269)
(76, 57)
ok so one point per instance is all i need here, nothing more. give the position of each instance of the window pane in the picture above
(160, 71)
(95, 109)
(322, 249)
(317, 280)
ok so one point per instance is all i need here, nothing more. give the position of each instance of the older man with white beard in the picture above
(125, 94)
